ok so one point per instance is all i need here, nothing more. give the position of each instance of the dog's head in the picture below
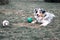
(39, 11)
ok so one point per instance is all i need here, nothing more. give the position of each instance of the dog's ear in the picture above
(35, 10)
(43, 11)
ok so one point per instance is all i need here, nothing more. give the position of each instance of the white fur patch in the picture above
(46, 20)
(5, 23)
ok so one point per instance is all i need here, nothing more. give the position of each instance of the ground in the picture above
(17, 12)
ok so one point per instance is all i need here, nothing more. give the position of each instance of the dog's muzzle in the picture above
(38, 15)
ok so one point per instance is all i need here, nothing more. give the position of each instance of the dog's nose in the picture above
(38, 15)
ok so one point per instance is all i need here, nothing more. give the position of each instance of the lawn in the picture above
(17, 11)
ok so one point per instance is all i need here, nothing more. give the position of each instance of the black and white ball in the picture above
(5, 23)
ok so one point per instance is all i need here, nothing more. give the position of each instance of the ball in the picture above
(5, 23)
(29, 19)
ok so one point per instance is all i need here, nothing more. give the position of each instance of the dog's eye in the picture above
(36, 11)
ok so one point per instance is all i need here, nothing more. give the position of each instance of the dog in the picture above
(42, 16)
(5, 23)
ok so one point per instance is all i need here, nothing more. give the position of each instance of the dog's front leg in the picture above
(33, 21)
(44, 24)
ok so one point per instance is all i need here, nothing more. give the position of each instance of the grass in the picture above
(17, 12)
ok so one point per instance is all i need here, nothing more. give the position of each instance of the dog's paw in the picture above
(43, 25)
(33, 22)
